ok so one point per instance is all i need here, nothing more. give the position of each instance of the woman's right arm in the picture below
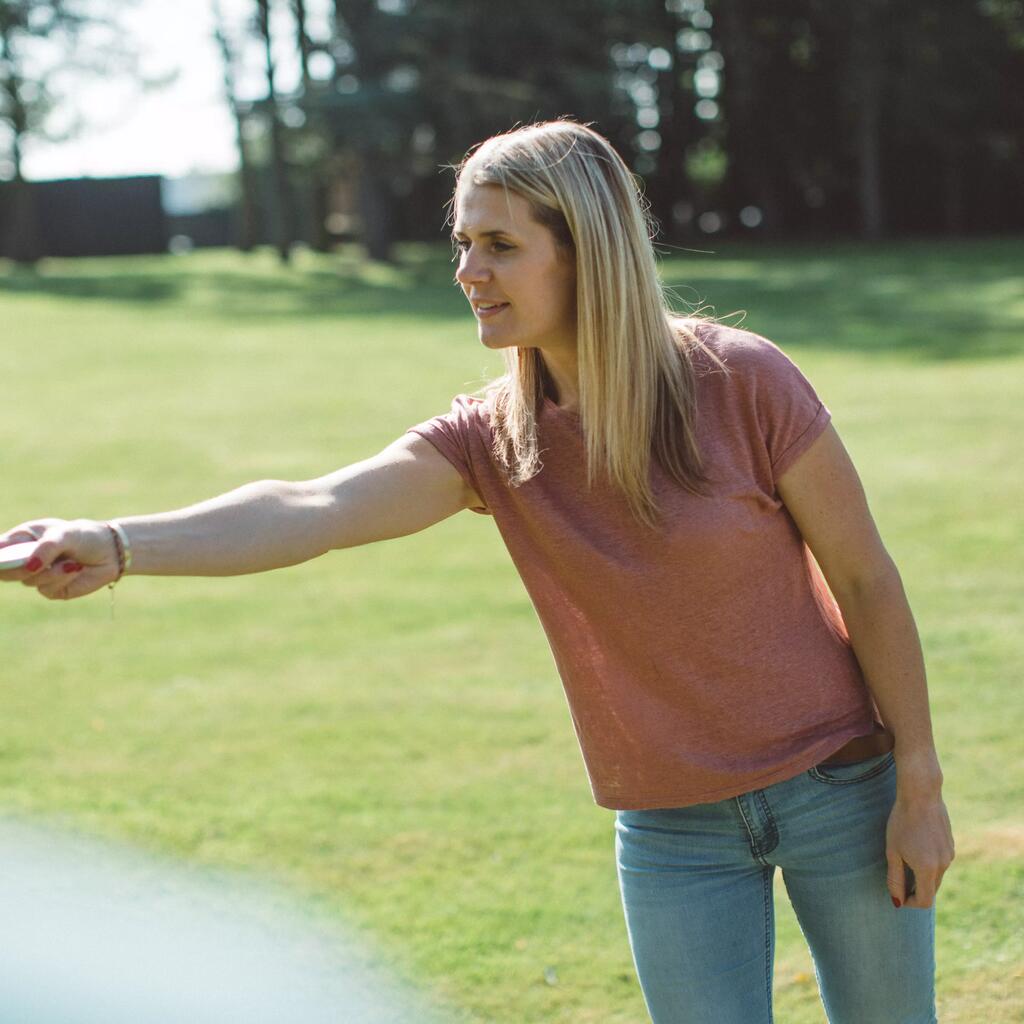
(259, 526)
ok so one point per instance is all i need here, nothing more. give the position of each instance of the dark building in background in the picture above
(85, 217)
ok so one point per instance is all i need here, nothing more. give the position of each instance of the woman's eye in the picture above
(462, 245)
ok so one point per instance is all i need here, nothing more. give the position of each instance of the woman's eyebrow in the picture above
(485, 234)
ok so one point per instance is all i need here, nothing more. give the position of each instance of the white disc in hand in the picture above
(14, 556)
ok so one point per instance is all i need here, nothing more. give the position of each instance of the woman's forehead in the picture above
(482, 209)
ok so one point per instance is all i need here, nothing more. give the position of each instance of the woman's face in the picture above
(507, 258)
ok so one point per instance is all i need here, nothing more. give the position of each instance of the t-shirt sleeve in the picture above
(790, 413)
(456, 435)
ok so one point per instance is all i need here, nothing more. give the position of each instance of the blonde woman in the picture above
(667, 489)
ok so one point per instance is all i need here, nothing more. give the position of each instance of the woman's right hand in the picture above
(73, 557)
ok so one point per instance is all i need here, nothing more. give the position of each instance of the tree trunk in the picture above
(315, 184)
(25, 247)
(248, 227)
(248, 209)
(953, 194)
(867, 81)
(319, 192)
(284, 220)
(361, 19)
(375, 205)
(749, 146)
(675, 109)
(24, 244)
(303, 40)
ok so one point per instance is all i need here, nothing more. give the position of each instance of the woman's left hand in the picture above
(919, 836)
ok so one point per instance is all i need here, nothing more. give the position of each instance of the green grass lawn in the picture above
(383, 729)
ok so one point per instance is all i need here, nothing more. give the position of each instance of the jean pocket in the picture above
(856, 771)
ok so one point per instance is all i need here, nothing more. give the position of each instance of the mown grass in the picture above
(383, 729)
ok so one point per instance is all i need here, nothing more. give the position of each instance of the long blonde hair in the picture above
(637, 391)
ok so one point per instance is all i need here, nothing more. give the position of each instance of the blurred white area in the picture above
(93, 934)
(197, 192)
(175, 129)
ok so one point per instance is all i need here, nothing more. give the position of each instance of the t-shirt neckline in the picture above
(550, 403)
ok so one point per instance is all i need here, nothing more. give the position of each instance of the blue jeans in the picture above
(697, 892)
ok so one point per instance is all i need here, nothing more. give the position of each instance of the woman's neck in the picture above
(561, 375)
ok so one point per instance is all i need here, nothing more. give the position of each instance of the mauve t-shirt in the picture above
(696, 661)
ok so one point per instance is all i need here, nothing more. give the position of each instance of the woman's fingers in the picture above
(927, 881)
(56, 576)
(15, 537)
(918, 838)
(83, 541)
(925, 885)
(53, 546)
(72, 558)
(86, 581)
(57, 582)
(67, 579)
(35, 530)
(23, 532)
(15, 575)
(896, 879)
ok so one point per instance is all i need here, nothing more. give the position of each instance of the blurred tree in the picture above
(679, 129)
(870, 118)
(957, 111)
(867, 83)
(417, 81)
(754, 150)
(375, 105)
(283, 206)
(505, 64)
(802, 116)
(46, 46)
(315, 162)
(779, 105)
(303, 40)
(248, 224)
(661, 54)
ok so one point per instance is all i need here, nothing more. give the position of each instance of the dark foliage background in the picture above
(781, 119)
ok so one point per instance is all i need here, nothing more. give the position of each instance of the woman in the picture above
(735, 714)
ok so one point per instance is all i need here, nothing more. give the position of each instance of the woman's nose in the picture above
(471, 268)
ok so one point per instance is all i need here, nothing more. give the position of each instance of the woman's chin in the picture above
(490, 339)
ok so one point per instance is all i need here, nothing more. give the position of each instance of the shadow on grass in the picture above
(934, 300)
(926, 300)
(226, 284)
(120, 286)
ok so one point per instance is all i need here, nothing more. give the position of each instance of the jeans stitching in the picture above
(766, 878)
(750, 833)
(883, 765)
(772, 834)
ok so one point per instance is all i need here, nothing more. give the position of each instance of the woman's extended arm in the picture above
(263, 525)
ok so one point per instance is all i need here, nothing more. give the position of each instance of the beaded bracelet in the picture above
(124, 556)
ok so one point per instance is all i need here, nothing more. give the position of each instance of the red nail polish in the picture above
(34, 564)
(896, 903)
(72, 567)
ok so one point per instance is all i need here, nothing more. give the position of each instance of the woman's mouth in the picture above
(486, 310)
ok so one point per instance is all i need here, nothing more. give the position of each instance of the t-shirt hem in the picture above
(811, 434)
(450, 455)
(807, 760)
